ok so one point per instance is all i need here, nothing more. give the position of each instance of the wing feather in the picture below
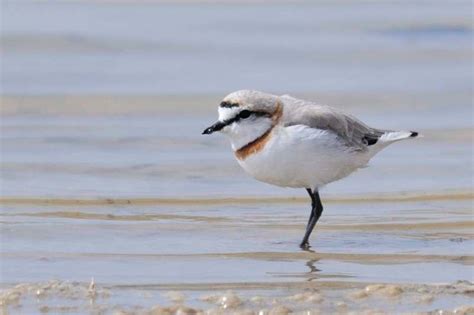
(350, 130)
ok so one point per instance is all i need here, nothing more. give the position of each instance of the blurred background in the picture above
(193, 47)
(105, 173)
(124, 88)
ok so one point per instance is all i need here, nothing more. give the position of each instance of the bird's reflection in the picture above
(313, 270)
(311, 264)
(307, 255)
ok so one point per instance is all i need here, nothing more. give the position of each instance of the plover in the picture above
(289, 142)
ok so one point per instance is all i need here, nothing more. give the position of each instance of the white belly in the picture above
(299, 156)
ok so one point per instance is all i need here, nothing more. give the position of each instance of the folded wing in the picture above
(350, 130)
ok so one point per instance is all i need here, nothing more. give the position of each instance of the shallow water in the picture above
(135, 198)
(123, 189)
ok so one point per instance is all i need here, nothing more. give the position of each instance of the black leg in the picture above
(315, 215)
(313, 202)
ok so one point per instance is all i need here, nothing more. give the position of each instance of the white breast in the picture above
(300, 156)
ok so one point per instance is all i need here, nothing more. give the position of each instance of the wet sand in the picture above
(126, 192)
(161, 258)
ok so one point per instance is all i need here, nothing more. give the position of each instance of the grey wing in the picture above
(351, 131)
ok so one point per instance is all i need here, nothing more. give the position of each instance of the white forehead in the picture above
(226, 113)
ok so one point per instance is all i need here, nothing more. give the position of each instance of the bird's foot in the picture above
(305, 246)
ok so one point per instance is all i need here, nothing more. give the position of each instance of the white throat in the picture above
(244, 131)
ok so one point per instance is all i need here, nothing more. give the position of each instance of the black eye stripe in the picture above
(261, 114)
(254, 113)
(237, 117)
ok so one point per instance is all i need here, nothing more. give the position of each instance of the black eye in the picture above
(244, 114)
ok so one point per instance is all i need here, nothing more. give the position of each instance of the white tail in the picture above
(393, 136)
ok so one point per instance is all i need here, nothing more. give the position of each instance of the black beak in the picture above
(216, 127)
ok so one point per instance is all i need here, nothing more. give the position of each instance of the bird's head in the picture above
(246, 115)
